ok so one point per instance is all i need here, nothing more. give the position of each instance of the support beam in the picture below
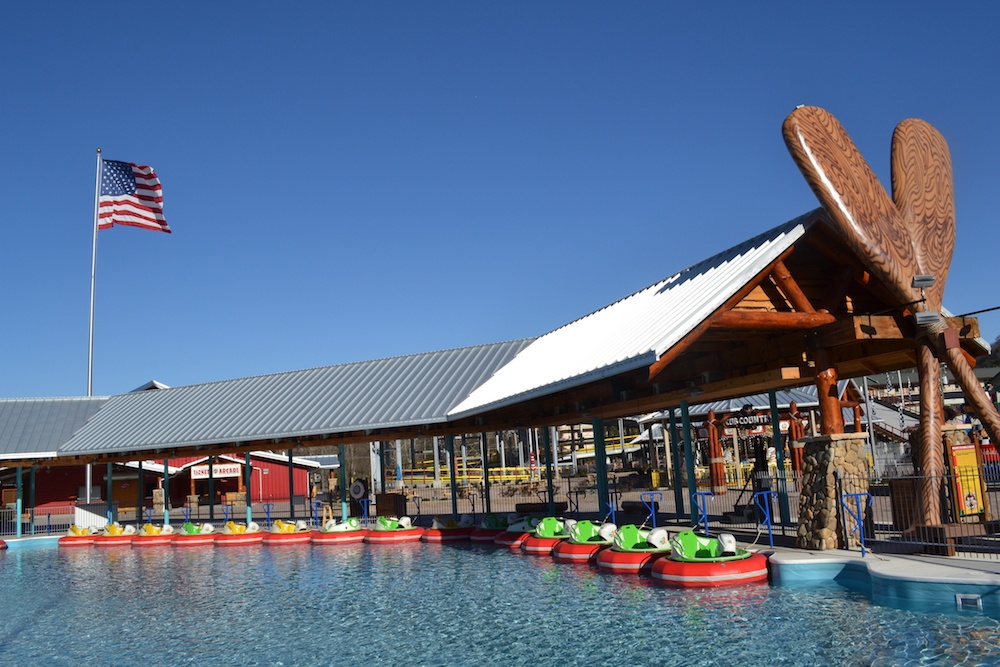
(291, 487)
(682, 345)
(764, 320)
(675, 465)
(247, 479)
(779, 455)
(931, 456)
(786, 283)
(547, 446)
(692, 482)
(449, 441)
(601, 468)
(831, 419)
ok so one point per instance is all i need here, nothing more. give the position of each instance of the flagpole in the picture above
(93, 284)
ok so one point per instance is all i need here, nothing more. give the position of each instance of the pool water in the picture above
(424, 604)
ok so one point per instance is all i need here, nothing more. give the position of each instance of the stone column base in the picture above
(827, 458)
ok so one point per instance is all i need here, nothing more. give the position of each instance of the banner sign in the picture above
(968, 484)
(218, 470)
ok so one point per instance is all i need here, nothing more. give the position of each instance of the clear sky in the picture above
(354, 180)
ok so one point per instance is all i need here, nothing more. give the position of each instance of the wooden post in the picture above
(601, 469)
(692, 482)
(796, 432)
(716, 461)
(931, 458)
(449, 442)
(966, 378)
(831, 418)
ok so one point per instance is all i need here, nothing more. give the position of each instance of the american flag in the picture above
(131, 194)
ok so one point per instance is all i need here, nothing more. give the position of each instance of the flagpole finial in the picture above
(98, 151)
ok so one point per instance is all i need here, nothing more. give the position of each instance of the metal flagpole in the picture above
(93, 283)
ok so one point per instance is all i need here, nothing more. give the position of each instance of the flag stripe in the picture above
(130, 195)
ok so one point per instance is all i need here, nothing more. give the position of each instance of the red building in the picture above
(271, 479)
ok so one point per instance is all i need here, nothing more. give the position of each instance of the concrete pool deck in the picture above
(932, 583)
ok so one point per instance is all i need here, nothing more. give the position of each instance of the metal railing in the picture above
(887, 514)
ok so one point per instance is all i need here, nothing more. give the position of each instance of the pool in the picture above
(426, 604)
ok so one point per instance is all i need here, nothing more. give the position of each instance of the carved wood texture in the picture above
(852, 195)
(923, 192)
(931, 458)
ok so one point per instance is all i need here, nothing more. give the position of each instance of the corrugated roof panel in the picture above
(635, 331)
(42, 425)
(383, 393)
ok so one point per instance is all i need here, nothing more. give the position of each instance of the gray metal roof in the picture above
(397, 391)
(635, 331)
(33, 426)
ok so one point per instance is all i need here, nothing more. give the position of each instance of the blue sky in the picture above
(349, 181)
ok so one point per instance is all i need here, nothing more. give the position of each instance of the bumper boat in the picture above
(634, 550)
(390, 530)
(194, 535)
(288, 532)
(698, 561)
(586, 539)
(549, 532)
(151, 535)
(238, 534)
(517, 532)
(449, 530)
(491, 526)
(78, 536)
(345, 532)
(115, 535)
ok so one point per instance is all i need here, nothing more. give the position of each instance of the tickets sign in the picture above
(218, 470)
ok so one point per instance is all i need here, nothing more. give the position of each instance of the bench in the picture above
(941, 540)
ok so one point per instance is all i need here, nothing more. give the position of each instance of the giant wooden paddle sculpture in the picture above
(900, 238)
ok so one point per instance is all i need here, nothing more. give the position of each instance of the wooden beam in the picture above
(777, 378)
(786, 283)
(848, 330)
(680, 346)
(771, 321)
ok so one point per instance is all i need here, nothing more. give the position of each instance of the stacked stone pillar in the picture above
(827, 459)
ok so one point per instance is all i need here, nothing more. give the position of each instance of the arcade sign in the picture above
(218, 470)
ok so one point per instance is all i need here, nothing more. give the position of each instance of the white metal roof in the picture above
(635, 331)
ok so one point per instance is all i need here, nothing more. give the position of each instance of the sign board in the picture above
(218, 470)
(968, 489)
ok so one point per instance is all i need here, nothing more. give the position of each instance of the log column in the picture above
(831, 417)
(796, 433)
(716, 460)
(930, 458)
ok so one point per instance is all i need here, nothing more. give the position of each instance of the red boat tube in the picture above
(238, 539)
(628, 562)
(446, 534)
(485, 535)
(510, 540)
(300, 537)
(572, 552)
(534, 545)
(394, 536)
(339, 537)
(688, 574)
(195, 540)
